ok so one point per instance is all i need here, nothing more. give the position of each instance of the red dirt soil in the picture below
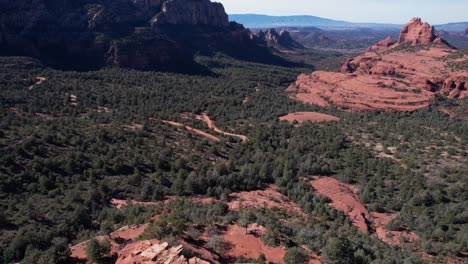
(392, 80)
(126, 233)
(314, 117)
(344, 199)
(380, 221)
(269, 198)
(193, 130)
(251, 246)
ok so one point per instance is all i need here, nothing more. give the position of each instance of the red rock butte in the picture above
(402, 75)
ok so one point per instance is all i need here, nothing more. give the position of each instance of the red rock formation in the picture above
(394, 80)
(417, 33)
(383, 45)
(152, 252)
(455, 86)
(282, 39)
(201, 12)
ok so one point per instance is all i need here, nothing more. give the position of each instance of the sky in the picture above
(380, 11)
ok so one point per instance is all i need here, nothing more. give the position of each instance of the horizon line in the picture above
(399, 24)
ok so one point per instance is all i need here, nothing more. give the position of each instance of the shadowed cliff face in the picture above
(140, 34)
(280, 39)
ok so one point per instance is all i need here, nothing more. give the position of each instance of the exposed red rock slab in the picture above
(302, 117)
(193, 130)
(251, 246)
(269, 198)
(383, 45)
(344, 199)
(380, 221)
(387, 78)
(118, 203)
(151, 251)
(130, 252)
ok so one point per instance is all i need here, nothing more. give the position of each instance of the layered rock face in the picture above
(282, 39)
(199, 12)
(390, 77)
(124, 33)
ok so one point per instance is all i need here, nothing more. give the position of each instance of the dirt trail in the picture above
(194, 130)
(205, 118)
(39, 80)
(117, 203)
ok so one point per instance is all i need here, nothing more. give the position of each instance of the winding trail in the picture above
(39, 80)
(194, 130)
(205, 118)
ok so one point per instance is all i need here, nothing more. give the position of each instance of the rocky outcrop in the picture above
(280, 39)
(140, 34)
(195, 13)
(390, 77)
(149, 252)
(417, 32)
(455, 85)
(383, 45)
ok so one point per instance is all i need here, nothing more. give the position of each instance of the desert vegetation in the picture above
(63, 162)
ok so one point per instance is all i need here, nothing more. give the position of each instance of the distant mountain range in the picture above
(265, 21)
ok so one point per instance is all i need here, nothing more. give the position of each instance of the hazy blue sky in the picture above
(384, 11)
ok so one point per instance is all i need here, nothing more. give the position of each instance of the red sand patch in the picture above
(193, 130)
(251, 246)
(269, 198)
(117, 203)
(302, 117)
(344, 199)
